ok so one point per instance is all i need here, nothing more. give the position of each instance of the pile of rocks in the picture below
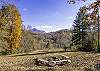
(53, 61)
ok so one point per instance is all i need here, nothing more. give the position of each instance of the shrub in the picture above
(88, 46)
(5, 52)
(98, 49)
(66, 47)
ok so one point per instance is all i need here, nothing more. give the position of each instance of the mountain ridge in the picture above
(35, 30)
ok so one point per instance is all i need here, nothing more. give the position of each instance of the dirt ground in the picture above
(80, 61)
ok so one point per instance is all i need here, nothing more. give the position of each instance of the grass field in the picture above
(81, 61)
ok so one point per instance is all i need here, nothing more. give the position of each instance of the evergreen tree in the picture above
(80, 28)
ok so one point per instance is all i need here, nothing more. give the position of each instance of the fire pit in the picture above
(53, 61)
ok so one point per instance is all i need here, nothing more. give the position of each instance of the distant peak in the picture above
(34, 30)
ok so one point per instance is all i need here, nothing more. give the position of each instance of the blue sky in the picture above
(48, 15)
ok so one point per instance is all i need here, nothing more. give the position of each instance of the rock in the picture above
(52, 63)
(58, 63)
(69, 61)
(63, 62)
(43, 62)
(65, 57)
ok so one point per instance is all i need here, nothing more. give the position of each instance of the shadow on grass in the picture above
(42, 52)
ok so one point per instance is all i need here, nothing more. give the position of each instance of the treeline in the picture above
(44, 41)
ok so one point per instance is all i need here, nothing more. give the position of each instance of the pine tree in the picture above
(80, 28)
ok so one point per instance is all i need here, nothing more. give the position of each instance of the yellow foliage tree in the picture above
(11, 19)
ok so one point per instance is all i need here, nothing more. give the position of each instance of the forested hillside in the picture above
(33, 41)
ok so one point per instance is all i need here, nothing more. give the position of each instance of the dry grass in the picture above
(80, 61)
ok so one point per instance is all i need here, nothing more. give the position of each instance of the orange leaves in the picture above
(83, 9)
(14, 22)
(95, 5)
(16, 31)
(94, 14)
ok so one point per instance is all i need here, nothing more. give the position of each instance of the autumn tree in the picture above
(11, 23)
(94, 21)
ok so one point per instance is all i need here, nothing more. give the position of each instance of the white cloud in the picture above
(43, 27)
(46, 26)
(51, 28)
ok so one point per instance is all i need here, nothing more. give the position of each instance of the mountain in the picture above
(34, 30)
